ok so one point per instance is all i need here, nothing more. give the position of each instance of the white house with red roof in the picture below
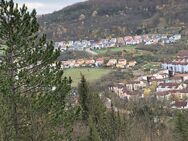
(111, 62)
(89, 62)
(99, 62)
(167, 87)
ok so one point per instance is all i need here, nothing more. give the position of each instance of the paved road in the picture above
(91, 52)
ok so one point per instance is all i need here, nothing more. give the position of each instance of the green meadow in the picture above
(114, 49)
(91, 74)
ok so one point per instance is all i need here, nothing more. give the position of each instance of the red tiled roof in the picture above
(180, 104)
(182, 53)
(162, 93)
(120, 86)
(176, 78)
(172, 92)
(133, 82)
(100, 59)
(125, 90)
(168, 85)
(157, 80)
(181, 75)
(184, 91)
(167, 92)
(177, 62)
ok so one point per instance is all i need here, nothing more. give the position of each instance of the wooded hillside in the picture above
(111, 18)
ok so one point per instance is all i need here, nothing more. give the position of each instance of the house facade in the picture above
(122, 91)
(111, 62)
(178, 65)
(121, 63)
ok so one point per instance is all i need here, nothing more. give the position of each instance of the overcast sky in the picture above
(47, 6)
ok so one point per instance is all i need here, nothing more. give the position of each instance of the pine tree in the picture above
(113, 122)
(181, 127)
(33, 92)
(119, 123)
(97, 111)
(84, 98)
(93, 134)
(96, 107)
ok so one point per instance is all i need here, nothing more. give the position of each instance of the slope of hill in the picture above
(108, 18)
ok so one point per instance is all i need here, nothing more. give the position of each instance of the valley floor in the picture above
(92, 74)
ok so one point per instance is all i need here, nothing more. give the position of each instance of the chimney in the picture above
(148, 79)
(170, 73)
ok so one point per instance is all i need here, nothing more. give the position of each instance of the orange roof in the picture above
(100, 59)
(89, 61)
(182, 53)
(181, 75)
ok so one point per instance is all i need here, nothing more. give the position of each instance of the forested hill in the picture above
(107, 18)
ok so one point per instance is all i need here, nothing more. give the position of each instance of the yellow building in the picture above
(121, 63)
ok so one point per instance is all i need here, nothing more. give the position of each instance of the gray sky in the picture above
(46, 6)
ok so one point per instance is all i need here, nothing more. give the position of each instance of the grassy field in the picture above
(91, 74)
(114, 49)
(153, 65)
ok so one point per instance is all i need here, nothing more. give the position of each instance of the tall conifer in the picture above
(84, 98)
(33, 91)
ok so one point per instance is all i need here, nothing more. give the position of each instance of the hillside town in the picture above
(149, 39)
(94, 70)
(99, 62)
(170, 83)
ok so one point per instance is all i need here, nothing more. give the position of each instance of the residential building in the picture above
(80, 62)
(180, 105)
(121, 63)
(178, 65)
(171, 86)
(99, 62)
(131, 63)
(122, 91)
(90, 62)
(111, 62)
(136, 85)
(164, 95)
(173, 94)
(167, 87)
